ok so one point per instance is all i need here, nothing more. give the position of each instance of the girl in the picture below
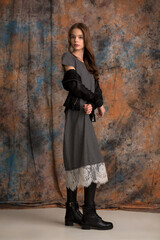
(84, 164)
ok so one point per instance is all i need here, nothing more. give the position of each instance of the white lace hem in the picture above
(83, 176)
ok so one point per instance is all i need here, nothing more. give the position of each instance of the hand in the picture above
(87, 108)
(101, 111)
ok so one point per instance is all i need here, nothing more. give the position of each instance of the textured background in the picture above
(33, 37)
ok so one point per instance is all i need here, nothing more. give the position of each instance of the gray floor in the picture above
(48, 224)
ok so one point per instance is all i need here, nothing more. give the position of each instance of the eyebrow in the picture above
(78, 35)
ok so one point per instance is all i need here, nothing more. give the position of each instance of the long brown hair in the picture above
(89, 58)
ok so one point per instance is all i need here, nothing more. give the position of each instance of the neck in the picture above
(79, 54)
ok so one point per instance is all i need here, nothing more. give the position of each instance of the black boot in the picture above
(90, 217)
(92, 220)
(73, 215)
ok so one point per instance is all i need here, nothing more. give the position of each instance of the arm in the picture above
(75, 86)
(79, 90)
(98, 97)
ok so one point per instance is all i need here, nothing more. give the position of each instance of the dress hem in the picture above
(87, 185)
(84, 176)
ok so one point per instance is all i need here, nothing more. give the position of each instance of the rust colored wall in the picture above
(33, 36)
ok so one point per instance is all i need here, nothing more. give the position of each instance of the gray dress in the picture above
(83, 161)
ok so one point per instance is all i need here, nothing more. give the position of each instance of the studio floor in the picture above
(48, 224)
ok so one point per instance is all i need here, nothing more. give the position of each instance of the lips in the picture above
(76, 45)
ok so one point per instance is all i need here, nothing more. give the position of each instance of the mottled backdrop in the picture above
(33, 37)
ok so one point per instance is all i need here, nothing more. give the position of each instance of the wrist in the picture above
(99, 103)
(101, 106)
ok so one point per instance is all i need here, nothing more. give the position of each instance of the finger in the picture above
(90, 107)
(98, 115)
(88, 112)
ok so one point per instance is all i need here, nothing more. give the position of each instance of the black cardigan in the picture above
(72, 83)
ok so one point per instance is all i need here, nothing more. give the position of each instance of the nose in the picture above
(76, 40)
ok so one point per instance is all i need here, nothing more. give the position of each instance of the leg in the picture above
(89, 194)
(73, 215)
(90, 218)
(71, 195)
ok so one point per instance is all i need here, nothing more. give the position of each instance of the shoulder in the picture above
(67, 55)
(68, 59)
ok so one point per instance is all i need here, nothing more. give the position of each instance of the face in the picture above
(77, 39)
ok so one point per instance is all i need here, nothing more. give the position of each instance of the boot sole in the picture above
(87, 227)
(70, 223)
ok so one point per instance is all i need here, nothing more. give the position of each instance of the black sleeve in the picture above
(98, 99)
(98, 95)
(78, 89)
